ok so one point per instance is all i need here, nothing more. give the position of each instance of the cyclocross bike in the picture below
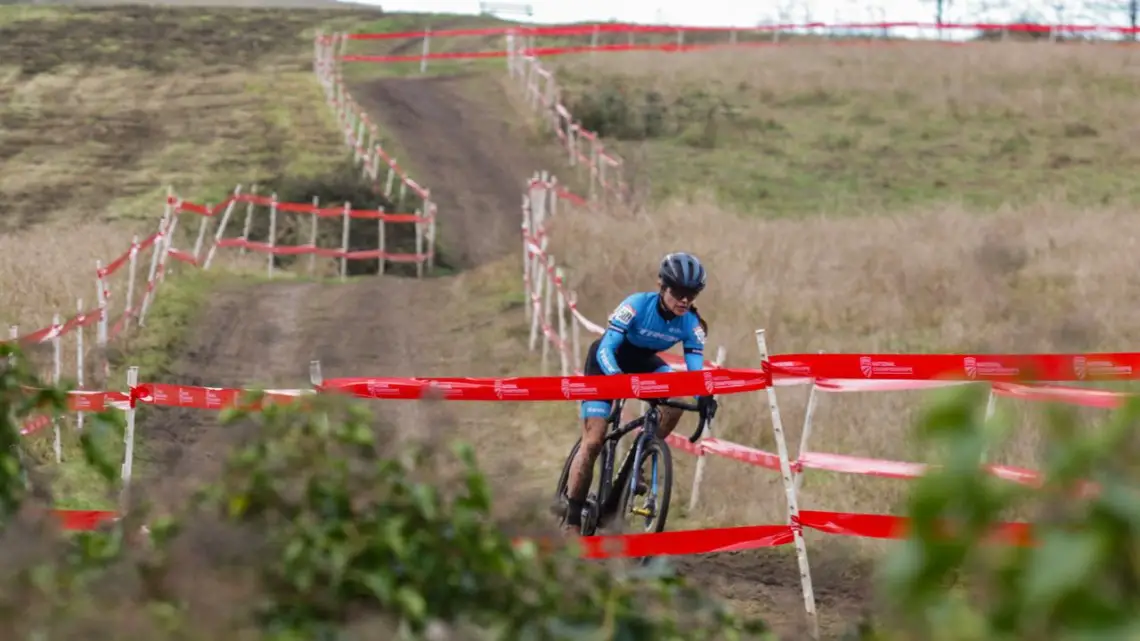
(603, 503)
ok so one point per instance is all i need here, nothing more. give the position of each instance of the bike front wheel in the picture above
(645, 494)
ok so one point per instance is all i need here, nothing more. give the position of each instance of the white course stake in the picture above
(313, 234)
(547, 309)
(564, 358)
(694, 496)
(381, 243)
(790, 493)
(79, 358)
(344, 241)
(419, 230)
(56, 374)
(315, 377)
(201, 237)
(248, 220)
(221, 231)
(129, 446)
(805, 434)
(272, 233)
(101, 296)
(151, 284)
(134, 261)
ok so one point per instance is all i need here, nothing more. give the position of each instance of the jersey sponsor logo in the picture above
(623, 314)
(699, 332)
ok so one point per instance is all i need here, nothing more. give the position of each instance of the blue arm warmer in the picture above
(607, 357)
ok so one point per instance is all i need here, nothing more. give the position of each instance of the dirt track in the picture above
(267, 334)
(476, 162)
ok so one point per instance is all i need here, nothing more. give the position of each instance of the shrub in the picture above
(1082, 578)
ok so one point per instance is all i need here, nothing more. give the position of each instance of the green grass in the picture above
(152, 349)
(102, 108)
(787, 131)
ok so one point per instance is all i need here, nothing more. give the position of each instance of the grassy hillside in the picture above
(856, 129)
(101, 109)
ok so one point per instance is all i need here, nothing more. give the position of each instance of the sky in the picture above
(743, 13)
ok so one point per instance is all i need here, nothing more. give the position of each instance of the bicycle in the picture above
(648, 446)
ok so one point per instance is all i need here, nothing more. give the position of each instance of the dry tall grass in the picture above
(1041, 278)
(787, 130)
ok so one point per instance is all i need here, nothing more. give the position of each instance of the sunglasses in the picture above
(681, 293)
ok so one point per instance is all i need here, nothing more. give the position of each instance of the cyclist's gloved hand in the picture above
(707, 405)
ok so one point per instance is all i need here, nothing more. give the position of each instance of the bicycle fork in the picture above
(629, 463)
(633, 478)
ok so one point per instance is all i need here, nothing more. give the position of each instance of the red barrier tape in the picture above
(601, 28)
(973, 367)
(304, 250)
(733, 539)
(667, 47)
(81, 520)
(636, 386)
(683, 542)
(300, 208)
(555, 388)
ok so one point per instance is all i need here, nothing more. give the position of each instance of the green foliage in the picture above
(1081, 579)
(358, 525)
(24, 396)
(616, 108)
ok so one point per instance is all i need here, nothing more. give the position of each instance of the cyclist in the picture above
(643, 324)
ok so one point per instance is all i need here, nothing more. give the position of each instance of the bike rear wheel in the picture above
(590, 515)
(564, 478)
(655, 476)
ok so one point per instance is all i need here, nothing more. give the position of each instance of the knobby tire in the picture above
(664, 482)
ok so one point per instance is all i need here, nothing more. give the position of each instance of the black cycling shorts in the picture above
(631, 359)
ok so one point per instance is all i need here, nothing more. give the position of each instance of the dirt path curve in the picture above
(467, 148)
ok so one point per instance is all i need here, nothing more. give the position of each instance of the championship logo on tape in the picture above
(566, 388)
(499, 388)
(866, 366)
(710, 385)
(1080, 366)
(635, 383)
(971, 365)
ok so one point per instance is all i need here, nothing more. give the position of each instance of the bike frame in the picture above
(651, 420)
(607, 501)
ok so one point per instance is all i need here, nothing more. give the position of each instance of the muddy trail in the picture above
(461, 136)
(464, 144)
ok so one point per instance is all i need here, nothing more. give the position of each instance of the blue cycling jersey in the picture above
(638, 320)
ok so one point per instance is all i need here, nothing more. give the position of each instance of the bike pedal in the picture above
(642, 511)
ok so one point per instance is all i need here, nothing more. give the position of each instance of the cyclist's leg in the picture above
(670, 416)
(594, 414)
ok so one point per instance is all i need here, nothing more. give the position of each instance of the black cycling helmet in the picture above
(682, 271)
